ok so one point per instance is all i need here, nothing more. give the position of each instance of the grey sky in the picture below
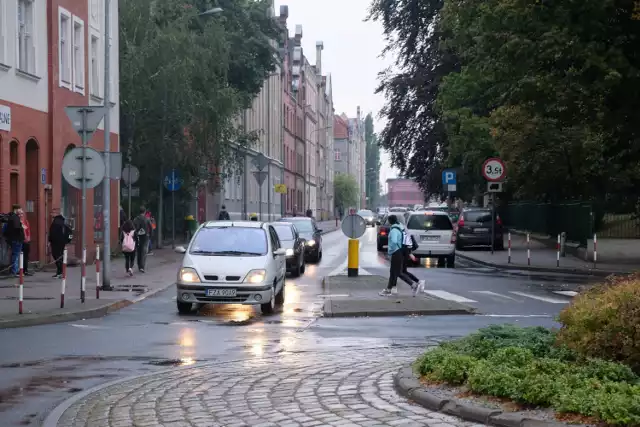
(351, 54)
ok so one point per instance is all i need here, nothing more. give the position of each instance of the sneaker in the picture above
(421, 285)
(130, 272)
(385, 293)
(57, 276)
(28, 273)
(415, 288)
(394, 290)
(141, 270)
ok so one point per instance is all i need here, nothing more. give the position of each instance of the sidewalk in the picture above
(41, 303)
(543, 259)
(328, 226)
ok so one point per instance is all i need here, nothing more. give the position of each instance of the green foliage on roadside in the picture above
(345, 190)
(524, 365)
(372, 163)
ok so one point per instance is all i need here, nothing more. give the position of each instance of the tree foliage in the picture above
(372, 163)
(550, 86)
(345, 190)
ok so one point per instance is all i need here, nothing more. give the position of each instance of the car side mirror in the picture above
(280, 252)
(180, 249)
(378, 223)
(319, 230)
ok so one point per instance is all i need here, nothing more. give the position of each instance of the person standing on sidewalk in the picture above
(143, 231)
(128, 245)
(152, 221)
(396, 252)
(14, 234)
(26, 245)
(224, 215)
(60, 234)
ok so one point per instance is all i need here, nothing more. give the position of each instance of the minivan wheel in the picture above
(451, 261)
(280, 296)
(184, 307)
(269, 307)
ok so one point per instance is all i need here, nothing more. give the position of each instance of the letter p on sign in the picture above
(448, 177)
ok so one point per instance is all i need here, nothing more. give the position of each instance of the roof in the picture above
(340, 128)
(242, 223)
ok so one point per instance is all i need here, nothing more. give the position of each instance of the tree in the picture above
(345, 190)
(372, 163)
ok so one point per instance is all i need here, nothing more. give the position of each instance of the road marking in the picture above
(515, 315)
(493, 294)
(541, 298)
(88, 326)
(448, 296)
(332, 295)
(566, 293)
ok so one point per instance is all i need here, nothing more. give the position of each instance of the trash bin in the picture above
(192, 226)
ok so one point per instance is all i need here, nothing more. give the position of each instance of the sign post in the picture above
(353, 226)
(130, 175)
(449, 183)
(494, 171)
(260, 161)
(173, 183)
(85, 121)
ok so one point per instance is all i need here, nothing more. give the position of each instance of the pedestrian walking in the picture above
(14, 235)
(253, 217)
(224, 215)
(152, 221)
(396, 252)
(128, 239)
(60, 234)
(26, 245)
(409, 245)
(143, 230)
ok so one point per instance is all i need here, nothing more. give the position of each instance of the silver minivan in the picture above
(434, 233)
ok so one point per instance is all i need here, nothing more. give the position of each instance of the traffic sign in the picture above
(172, 181)
(90, 122)
(130, 174)
(260, 161)
(135, 192)
(260, 177)
(280, 188)
(448, 177)
(494, 187)
(493, 169)
(354, 226)
(72, 167)
(43, 175)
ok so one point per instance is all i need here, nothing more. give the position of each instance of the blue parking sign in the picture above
(449, 177)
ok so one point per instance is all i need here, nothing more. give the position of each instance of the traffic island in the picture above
(358, 297)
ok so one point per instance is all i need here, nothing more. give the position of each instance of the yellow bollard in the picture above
(352, 261)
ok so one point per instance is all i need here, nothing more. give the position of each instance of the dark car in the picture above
(368, 216)
(383, 229)
(474, 229)
(294, 244)
(309, 231)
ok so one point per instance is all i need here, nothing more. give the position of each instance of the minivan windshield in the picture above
(302, 225)
(365, 213)
(429, 222)
(230, 241)
(284, 232)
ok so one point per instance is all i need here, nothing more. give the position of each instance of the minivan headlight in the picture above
(188, 275)
(311, 243)
(289, 252)
(255, 276)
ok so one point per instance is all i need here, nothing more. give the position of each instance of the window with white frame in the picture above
(26, 58)
(337, 155)
(3, 36)
(65, 48)
(95, 66)
(78, 54)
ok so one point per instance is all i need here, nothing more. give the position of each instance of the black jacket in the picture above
(141, 222)
(14, 231)
(59, 232)
(224, 216)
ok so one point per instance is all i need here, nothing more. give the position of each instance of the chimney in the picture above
(298, 36)
(319, 48)
(358, 113)
(284, 14)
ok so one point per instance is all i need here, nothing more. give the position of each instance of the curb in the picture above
(70, 316)
(407, 384)
(575, 271)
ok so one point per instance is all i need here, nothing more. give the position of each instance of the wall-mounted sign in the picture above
(5, 118)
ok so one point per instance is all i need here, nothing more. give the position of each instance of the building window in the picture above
(26, 47)
(3, 33)
(337, 156)
(95, 66)
(78, 55)
(65, 48)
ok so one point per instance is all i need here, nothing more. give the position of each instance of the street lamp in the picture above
(213, 11)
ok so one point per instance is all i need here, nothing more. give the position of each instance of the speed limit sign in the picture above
(493, 169)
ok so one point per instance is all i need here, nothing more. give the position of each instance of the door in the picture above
(279, 261)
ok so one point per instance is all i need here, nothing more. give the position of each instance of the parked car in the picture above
(434, 233)
(309, 231)
(294, 245)
(368, 216)
(239, 262)
(474, 229)
(383, 230)
(397, 209)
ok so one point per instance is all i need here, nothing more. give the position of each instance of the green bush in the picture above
(604, 322)
(511, 362)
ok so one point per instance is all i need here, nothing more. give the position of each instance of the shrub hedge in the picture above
(524, 365)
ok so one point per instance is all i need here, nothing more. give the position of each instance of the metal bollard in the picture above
(528, 249)
(21, 286)
(558, 252)
(353, 261)
(83, 279)
(595, 250)
(97, 271)
(509, 249)
(63, 285)
(563, 244)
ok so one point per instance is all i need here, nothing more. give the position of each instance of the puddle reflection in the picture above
(233, 313)
(187, 342)
(291, 298)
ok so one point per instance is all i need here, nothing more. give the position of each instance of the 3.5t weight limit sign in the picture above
(493, 170)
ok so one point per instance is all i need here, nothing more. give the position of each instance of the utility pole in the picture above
(106, 184)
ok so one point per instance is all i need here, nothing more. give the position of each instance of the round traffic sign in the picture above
(72, 167)
(130, 173)
(493, 169)
(354, 226)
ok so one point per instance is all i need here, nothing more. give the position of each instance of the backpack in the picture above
(128, 244)
(408, 241)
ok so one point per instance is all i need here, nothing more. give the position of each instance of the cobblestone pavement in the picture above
(344, 388)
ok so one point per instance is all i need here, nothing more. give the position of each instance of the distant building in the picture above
(349, 150)
(404, 192)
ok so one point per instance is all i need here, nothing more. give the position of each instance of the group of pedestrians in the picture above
(135, 239)
(17, 233)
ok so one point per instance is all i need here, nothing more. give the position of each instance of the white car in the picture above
(232, 262)
(434, 233)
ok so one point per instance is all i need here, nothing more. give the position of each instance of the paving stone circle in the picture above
(343, 388)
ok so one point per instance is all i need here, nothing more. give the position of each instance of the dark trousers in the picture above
(16, 248)
(405, 264)
(141, 251)
(26, 249)
(396, 271)
(56, 251)
(129, 258)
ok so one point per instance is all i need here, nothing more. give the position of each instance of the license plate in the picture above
(429, 238)
(221, 292)
(481, 230)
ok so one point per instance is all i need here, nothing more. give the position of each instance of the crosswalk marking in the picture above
(494, 294)
(541, 298)
(448, 296)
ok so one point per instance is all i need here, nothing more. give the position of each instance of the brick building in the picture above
(404, 192)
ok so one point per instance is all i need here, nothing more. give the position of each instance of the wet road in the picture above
(43, 365)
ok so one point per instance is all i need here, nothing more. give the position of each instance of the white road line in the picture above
(494, 294)
(88, 326)
(514, 315)
(541, 298)
(566, 293)
(448, 296)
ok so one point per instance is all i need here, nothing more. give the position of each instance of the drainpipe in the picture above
(269, 129)
(245, 172)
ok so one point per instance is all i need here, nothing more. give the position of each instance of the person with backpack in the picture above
(60, 235)
(142, 227)
(128, 245)
(397, 253)
(14, 235)
(224, 215)
(409, 245)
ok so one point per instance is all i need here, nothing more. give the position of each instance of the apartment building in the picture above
(51, 57)
(324, 151)
(350, 150)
